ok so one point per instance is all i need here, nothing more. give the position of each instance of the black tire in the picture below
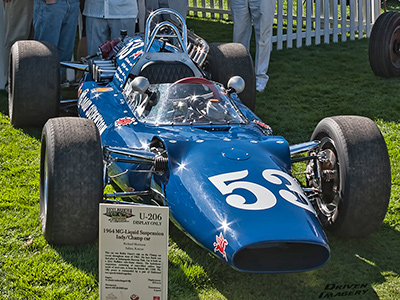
(358, 168)
(384, 45)
(34, 83)
(71, 181)
(226, 60)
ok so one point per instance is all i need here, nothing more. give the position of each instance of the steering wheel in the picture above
(192, 90)
(195, 80)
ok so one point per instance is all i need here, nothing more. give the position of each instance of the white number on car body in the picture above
(265, 199)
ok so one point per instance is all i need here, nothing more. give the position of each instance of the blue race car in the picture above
(168, 120)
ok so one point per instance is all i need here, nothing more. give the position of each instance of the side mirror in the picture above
(140, 84)
(236, 84)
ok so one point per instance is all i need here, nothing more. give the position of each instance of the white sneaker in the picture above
(261, 84)
(260, 87)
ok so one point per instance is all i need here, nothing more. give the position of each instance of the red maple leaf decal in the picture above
(124, 121)
(220, 245)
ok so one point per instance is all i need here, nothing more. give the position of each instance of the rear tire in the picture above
(384, 45)
(34, 83)
(71, 181)
(226, 60)
(357, 179)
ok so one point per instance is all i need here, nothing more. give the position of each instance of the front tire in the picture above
(71, 181)
(34, 83)
(356, 178)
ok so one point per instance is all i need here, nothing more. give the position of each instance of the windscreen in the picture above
(185, 103)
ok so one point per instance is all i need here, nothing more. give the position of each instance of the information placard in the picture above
(133, 252)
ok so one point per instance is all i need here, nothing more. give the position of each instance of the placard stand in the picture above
(133, 252)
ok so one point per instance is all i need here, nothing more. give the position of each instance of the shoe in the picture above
(261, 84)
(260, 87)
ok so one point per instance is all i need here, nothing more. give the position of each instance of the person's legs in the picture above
(47, 21)
(242, 28)
(180, 6)
(263, 18)
(69, 27)
(152, 5)
(47, 24)
(116, 25)
(97, 32)
(17, 21)
(17, 26)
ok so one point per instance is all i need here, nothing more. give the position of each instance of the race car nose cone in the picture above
(236, 154)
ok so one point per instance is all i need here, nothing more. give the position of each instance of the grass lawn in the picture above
(306, 85)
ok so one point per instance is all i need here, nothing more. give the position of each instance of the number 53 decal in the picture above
(265, 199)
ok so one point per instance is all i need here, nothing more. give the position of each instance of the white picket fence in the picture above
(306, 22)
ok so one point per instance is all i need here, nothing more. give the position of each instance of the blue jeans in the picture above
(57, 23)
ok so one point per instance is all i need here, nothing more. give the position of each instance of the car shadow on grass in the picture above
(3, 102)
(33, 132)
(86, 259)
(358, 267)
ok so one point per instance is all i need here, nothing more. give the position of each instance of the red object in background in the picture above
(107, 47)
